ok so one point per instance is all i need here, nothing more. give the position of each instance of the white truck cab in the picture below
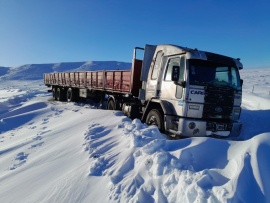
(188, 92)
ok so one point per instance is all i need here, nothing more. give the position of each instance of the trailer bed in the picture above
(121, 81)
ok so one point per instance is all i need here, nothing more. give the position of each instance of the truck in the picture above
(185, 92)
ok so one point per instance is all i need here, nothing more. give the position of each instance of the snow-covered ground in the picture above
(72, 152)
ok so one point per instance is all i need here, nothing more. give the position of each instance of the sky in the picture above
(53, 31)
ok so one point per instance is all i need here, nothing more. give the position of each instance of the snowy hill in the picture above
(3, 71)
(35, 71)
(72, 152)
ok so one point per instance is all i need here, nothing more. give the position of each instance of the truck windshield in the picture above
(206, 72)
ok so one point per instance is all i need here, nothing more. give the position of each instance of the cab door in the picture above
(173, 92)
(152, 85)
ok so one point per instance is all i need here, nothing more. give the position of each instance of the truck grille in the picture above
(218, 102)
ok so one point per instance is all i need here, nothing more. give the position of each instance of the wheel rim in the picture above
(69, 95)
(153, 121)
(54, 93)
(154, 118)
(58, 94)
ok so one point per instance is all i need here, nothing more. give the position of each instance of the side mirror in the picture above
(175, 76)
(175, 73)
(241, 82)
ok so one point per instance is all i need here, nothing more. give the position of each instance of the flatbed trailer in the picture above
(114, 81)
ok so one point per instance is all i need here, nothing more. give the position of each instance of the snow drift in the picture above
(72, 152)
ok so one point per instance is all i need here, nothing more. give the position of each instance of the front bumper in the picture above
(199, 128)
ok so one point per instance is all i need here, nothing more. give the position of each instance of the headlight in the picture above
(194, 107)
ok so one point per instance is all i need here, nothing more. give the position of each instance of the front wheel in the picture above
(155, 117)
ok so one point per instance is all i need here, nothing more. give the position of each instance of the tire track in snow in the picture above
(13, 148)
(96, 146)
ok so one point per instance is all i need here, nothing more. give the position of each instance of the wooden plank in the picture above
(77, 80)
(109, 80)
(81, 79)
(66, 79)
(72, 78)
(100, 80)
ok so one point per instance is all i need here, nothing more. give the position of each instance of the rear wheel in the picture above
(54, 93)
(155, 117)
(70, 95)
(111, 105)
(59, 95)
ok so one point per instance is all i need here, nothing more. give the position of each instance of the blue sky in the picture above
(51, 31)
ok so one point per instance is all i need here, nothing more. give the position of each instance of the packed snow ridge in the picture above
(73, 152)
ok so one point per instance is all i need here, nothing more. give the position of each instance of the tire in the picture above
(155, 117)
(59, 95)
(54, 93)
(111, 105)
(70, 95)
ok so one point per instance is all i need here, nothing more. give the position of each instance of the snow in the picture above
(73, 152)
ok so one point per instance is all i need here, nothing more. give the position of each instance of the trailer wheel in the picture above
(111, 105)
(59, 95)
(70, 95)
(154, 117)
(54, 93)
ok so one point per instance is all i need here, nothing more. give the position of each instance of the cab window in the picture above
(177, 61)
(157, 65)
